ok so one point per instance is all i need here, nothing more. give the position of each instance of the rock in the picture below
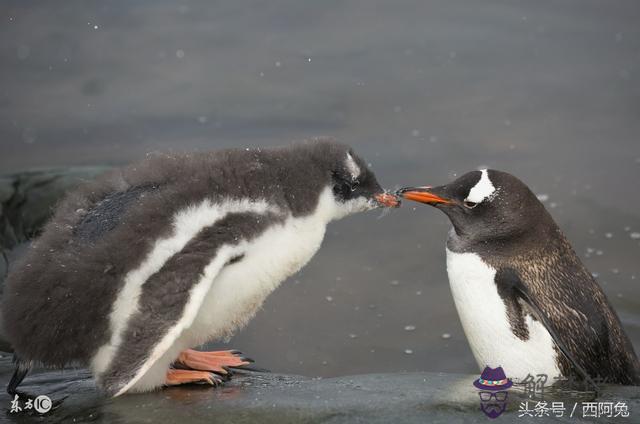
(26, 202)
(276, 398)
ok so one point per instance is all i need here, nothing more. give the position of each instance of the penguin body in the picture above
(482, 312)
(173, 252)
(525, 300)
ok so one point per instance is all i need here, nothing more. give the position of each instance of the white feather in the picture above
(196, 296)
(484, 319)
(352, 166)
(186, 224)
(483, 189)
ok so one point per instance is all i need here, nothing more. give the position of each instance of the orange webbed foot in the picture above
(220, 362)
(177, 377)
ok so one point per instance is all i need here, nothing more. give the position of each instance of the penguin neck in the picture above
(546, 236)
(331, 210)
(327, 208)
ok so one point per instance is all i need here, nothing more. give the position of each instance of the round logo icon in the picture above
(42, 404)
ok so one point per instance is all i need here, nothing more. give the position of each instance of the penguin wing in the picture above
(107, 213)
(172, 297)
(509, 282)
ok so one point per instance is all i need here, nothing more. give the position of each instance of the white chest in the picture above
(484, 318)
(232, 295)
(240, 289)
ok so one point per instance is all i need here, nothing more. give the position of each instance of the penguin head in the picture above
(483, 206)
(353, 184)
(355, 187)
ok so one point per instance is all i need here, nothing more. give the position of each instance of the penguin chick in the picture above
(153, 259)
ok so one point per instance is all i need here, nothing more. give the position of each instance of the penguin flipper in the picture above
(152, 333)
(172, 297)
(508, 281)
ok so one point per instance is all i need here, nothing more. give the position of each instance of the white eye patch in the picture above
(352, 166)
(483, 189)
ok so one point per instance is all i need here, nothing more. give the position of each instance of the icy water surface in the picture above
(424, 90)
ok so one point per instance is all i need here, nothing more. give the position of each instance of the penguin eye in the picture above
(469, 204)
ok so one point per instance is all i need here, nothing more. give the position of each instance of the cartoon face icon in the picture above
(493, 403)
(493, 385)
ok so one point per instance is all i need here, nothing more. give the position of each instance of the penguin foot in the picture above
(219, 362)
(177, 377)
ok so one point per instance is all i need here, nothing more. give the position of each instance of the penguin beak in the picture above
(387, 200)
(422, 195)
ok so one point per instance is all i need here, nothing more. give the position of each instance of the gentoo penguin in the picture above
(525, 300)
(136, 268)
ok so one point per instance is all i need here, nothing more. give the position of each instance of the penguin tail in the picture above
(20, 372)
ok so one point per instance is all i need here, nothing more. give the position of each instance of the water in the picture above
(424, 90)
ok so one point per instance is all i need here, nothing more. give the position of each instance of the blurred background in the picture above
(424, 90)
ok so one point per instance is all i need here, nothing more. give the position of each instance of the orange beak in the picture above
(387, 200)
(422, 195)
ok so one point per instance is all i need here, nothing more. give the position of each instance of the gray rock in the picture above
(277, 398)
(27, 200)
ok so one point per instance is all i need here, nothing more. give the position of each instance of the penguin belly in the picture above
(483, 315)
(239, 290)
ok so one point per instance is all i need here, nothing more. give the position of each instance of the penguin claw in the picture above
(219, 362)
(177, 377)
(217, 380)
(228, 373)
(212, 368)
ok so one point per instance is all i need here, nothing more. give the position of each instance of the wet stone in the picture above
(276, 398)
